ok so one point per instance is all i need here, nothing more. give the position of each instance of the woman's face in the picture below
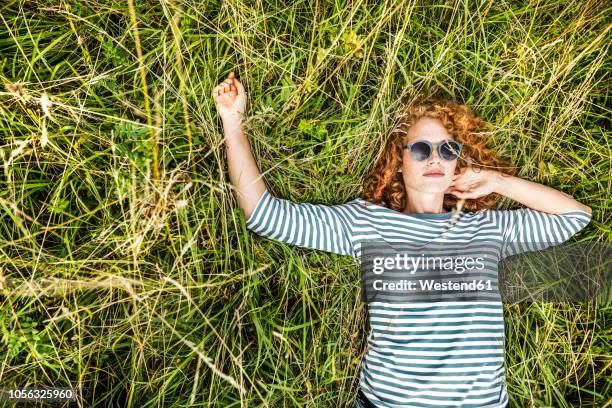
(433, 175)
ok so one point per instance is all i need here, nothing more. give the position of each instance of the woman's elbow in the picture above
(248, 214)
(585, 208)
(249, 204)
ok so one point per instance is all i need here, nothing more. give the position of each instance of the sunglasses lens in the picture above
(450, 150)
(420, 151)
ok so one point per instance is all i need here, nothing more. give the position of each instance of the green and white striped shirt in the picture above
(421, 354)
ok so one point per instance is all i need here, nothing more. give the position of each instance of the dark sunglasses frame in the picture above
(431, 147)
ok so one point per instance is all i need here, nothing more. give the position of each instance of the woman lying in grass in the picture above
(420, 354)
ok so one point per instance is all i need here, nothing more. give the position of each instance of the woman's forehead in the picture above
(430, 129)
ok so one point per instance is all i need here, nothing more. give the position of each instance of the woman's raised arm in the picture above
(474, 184)
(230, 99)
(551, 216)
(315, 226)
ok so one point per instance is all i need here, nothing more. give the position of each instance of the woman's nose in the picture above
(434, 158)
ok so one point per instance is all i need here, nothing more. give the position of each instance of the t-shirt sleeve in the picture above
(525, 229)
(315, 226)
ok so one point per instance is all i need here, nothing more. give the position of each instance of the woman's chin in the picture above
(433, 186)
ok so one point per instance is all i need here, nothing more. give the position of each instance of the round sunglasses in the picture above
(422, 149)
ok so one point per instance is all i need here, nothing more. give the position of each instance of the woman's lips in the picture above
(434, 174)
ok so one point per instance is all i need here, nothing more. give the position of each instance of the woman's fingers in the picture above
(236, 85)
(471, 192)
(239, 87)
(457, 193)
(463, 194)
(228, 89)
(230, 81)
(461, 185)
(463, 189)
(222, 95)
(218, 90)
(464, 180)
(223, 87)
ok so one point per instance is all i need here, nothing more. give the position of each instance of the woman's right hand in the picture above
(230, 100)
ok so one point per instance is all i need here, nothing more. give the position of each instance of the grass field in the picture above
(126, 269)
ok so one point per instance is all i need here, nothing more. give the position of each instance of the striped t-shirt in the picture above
(421, 354)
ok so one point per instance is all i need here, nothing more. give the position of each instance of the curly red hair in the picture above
(385, 185)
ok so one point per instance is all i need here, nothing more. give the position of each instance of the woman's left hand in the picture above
(470, 183)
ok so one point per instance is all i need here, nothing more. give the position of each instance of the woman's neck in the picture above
(427, 203)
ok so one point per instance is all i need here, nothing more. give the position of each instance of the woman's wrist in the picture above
(232, 119)
(232, 126)
(496, 179)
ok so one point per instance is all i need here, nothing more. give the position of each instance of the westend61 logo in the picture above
(485, 271)
(431, 284)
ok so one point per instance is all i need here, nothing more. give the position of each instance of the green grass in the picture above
(126, 269)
